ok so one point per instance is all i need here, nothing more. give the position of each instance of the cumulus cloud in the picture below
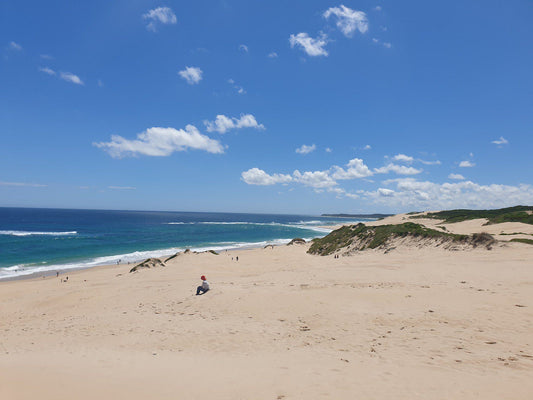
(387, 45)
(15, 46)
(367, 147)
(159, 15)
(397, 169)
(413, 194)
(377, 8)
(161, 142)
(313, 47)
(356, 168)
(192, 75)
(256, 176)
(318, 180)
(328, 150)
(403, 158)
(457, 177)
(222, 123)
(305, 149)
(500, 141)
(69, 77)
(314, 179)
(47, 70)
(273, 55)
(466, 164)
(385, 192)
(243, 47)
(348, 20)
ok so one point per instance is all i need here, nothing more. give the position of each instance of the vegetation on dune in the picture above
(522, 214)
(148, 263)
(528, 241)
(172, 256)
(371, 237)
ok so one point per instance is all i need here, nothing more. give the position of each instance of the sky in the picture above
(300, 107)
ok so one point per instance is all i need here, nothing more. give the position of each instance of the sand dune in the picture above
(279, 324)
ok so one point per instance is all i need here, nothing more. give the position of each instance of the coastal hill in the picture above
(452, 230)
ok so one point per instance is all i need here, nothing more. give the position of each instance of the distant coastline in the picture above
(357, 215)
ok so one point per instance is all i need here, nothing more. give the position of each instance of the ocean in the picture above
(40, 241)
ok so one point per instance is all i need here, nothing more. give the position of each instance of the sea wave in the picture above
(309, 225)
(32, 233)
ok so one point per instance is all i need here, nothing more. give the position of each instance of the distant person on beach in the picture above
(203, 288)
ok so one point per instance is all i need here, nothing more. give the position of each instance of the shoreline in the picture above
(52, 272)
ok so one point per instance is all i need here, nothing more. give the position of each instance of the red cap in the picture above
(202, 277)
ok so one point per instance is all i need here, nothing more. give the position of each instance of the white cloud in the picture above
(318, 180)
(122, 187)
(328, 150)
(403, 158)
(375, 40)
(222, 123)
(192, 75)
(500, 141)
(356, 168)
(385, 192)
(398, 169)
(47, 70)
(305, 149)
(243, 47)
(22, 184)
(436, 162)
(238, 88)
(159, 15)
(273, 55)
(160, 142)
(314, 179)
(412, 194)
(378, 8)
(69, 77)
(457, 177)
(348, 20)
(367, 147)
(100, 83)
(15, 46)
(466, 164)
(46, 57)
(313, 47)
(256, 176)
(387, 45)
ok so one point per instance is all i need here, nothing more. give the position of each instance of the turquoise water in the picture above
(41, 240)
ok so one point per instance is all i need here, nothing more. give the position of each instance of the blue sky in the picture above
(254, 106)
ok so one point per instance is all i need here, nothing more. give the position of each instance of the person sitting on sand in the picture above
(204, 287)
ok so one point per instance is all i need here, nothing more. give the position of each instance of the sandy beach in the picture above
(414, 323)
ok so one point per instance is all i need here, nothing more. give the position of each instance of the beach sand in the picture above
(415, 323)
